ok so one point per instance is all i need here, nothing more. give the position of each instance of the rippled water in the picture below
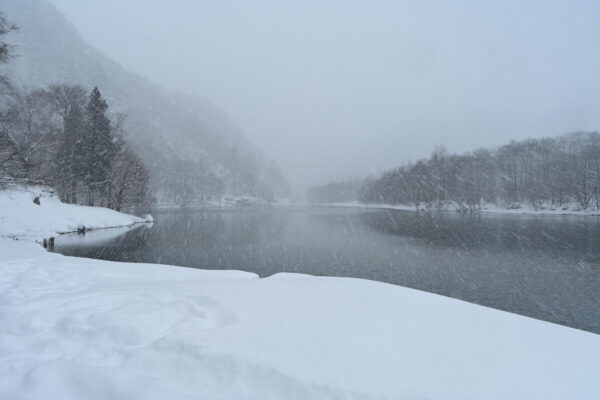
(546, 267)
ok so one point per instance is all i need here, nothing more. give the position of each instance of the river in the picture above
(545, 267)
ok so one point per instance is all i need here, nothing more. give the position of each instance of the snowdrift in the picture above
(74, 328)
(21, 218)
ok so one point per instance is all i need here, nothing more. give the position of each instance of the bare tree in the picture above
(5, 49)
(545, 173)
(29, 129)
(129, 181)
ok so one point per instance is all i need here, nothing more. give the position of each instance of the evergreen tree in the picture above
(99, 148)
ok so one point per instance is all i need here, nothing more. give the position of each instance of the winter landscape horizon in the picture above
(316, 200)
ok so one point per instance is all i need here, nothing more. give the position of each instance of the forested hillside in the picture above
(540, 173)
(191, 149)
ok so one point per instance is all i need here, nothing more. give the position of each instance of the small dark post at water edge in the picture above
(48, 243)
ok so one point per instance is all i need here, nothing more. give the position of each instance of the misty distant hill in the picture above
(167, 129)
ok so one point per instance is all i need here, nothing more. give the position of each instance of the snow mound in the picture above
(75, 328)
(20, 217)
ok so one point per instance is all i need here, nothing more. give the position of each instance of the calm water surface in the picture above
(546, 267)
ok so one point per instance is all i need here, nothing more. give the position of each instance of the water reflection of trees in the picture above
(489, 232)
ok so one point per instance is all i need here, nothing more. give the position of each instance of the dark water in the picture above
(546, 267)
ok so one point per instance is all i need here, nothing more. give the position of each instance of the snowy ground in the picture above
(74, 328)
(571, 209)
(20, 217)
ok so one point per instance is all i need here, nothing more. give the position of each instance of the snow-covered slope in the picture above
(20, 217)
(75, 328)
(50, 50)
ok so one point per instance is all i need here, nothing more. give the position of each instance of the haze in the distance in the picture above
(332, 89)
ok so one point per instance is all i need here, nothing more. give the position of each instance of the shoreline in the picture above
(22, 218)
(495, 210)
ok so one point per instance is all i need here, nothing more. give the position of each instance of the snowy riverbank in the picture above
(74, 328)
(488, 208)
(21, 218)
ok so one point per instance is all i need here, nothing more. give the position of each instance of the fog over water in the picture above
(336, 89)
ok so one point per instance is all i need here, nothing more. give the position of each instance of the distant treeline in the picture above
(188, 181)
(335, 192)
(550, 172)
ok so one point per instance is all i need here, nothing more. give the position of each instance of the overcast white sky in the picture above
(332, 89)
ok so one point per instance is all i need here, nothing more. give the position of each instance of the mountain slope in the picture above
(162, 126)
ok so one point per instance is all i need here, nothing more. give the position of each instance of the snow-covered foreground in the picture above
(73, 328)
(20, 217)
